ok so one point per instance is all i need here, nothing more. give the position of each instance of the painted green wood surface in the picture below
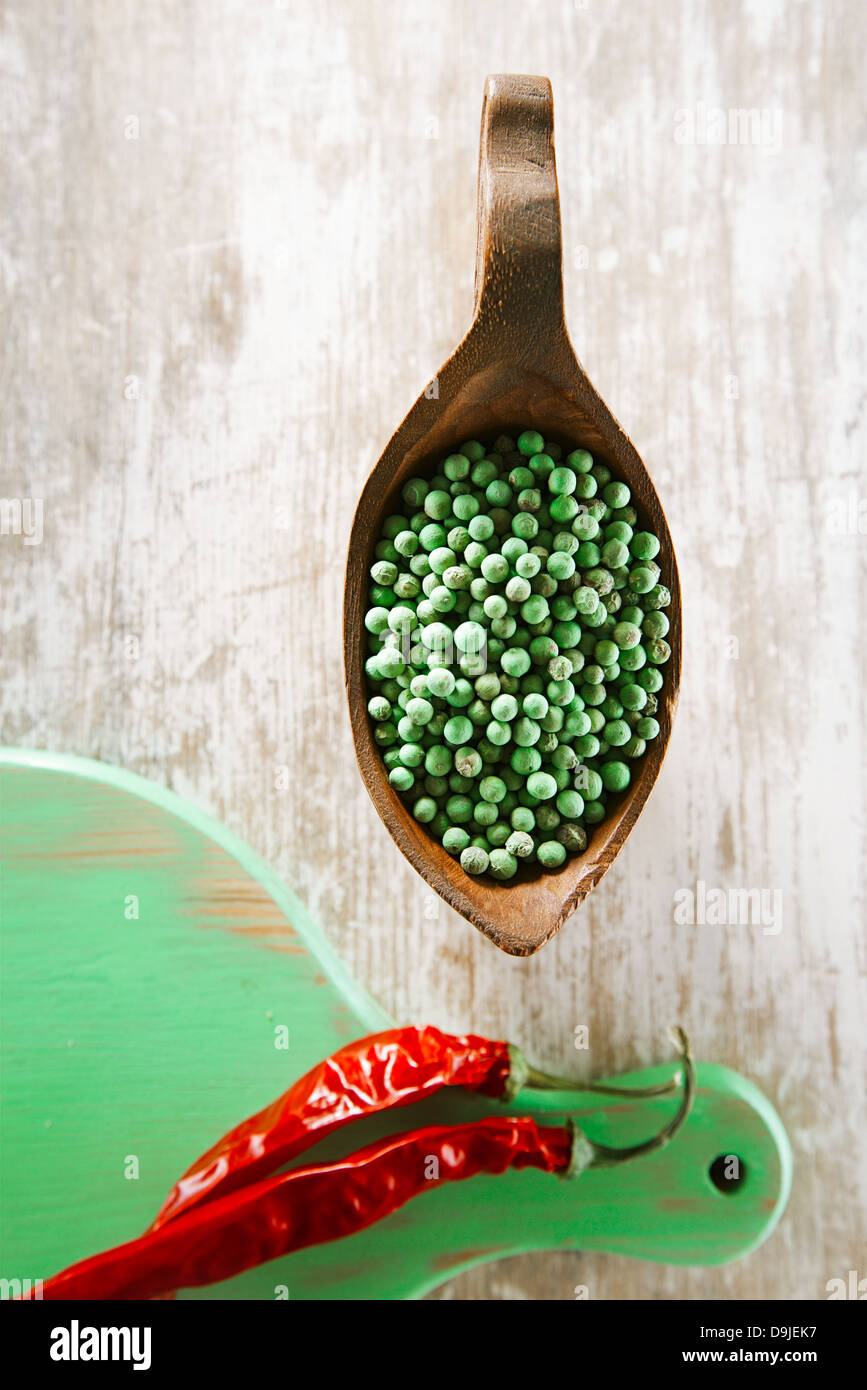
(142, 1038)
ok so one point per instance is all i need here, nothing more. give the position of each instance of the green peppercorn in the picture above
(465, 506)
(438, 760)
(504, 707)
(615, 776)
(606, 652)
(535, 609)
(599, 579)
(458, 730)
(440, 682)
(659, 597)
(541, 785)
(585, 528)
(563, 609)
(560, 565)
(503, 864)
(530, 443)
(515, 661)
(562, 481)
(570, 804)
(541, 466)
(528, 565)
(492, 789)
(655, 624)
(658, 651)
(529, 498)
(474, 860)
(572, 837)
(487, 685)
(520, 844)
(534, 705)
(650, 680)
(420, 711)
(647, 728)
(617, 732)
(644, 545)
(414, 492)
(455, 839)
(379, 709)
(525, 732)
(525, 760)
(615, 554)
(633, 697)
(551, 853)
(577, 724)
(520, 477)
(498, 833)
(641, 579)
(456, 466)
(588, 782)
(459, 809)
(633, 659)
(560, 692)
(616, 494)
(597, 618)
(626, 635)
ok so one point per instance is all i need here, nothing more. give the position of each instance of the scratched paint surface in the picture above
(124, 928)
(170, 1020)
(214, 327)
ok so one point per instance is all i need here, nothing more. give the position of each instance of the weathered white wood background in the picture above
(238, 240)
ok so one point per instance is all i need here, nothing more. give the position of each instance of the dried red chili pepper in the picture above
(232, 1231)
(309, 1206)
(377, 1073)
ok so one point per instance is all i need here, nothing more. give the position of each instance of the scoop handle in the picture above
(519, 255)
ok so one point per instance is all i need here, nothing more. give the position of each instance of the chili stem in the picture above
(604, 1156)
(545, 1081)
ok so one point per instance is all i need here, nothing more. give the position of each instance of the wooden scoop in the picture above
(515, 369)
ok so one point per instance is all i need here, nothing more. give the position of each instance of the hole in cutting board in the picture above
(727, 1173)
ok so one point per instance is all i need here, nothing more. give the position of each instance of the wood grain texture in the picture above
(515, 369)
(211, 331)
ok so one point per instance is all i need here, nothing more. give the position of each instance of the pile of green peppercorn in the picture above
(515, 635)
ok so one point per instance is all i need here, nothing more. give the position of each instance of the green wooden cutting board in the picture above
(159, 982)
